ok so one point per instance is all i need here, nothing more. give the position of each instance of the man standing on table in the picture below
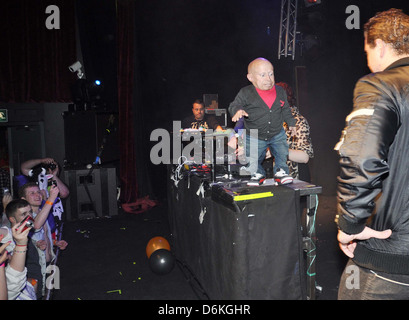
(264, 107)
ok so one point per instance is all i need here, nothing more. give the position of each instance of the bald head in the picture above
(256, 63)
(261, 74)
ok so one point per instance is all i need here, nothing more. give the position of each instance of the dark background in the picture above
(184, 49)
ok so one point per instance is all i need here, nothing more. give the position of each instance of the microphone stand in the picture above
(98, 158)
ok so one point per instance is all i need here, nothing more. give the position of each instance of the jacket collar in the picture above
(399, 63)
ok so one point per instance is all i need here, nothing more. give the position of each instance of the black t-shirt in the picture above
(208, 122)
(33, 265)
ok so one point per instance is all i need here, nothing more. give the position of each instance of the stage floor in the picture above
(106, 258)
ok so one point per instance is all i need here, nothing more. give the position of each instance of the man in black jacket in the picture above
(373, 192)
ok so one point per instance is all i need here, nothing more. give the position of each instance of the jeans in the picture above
(359, 283)
(278, 147)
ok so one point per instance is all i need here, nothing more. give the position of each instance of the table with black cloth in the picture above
(244, 242)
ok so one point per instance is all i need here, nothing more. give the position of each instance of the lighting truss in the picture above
(288, 28)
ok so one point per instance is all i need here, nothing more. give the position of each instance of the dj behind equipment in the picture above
(220, 155)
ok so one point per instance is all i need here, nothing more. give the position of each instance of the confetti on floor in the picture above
(112, 291)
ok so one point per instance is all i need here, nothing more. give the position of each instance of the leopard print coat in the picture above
(301, 141)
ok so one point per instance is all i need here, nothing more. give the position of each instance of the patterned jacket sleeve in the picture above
(303, 139)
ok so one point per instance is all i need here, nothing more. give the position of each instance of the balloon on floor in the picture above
(156, 243)
(161, 261)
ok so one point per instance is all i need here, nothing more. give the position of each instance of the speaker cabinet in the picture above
(85, 132)
(91, 194)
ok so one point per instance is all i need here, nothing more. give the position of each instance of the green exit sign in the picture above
(3, 115)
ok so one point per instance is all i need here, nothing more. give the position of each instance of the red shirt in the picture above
(268, 96)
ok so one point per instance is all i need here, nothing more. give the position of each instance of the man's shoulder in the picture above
(247, 92)
(379, 81)
(280, 90)
(248, 89)
(187, 120)
(397, 70)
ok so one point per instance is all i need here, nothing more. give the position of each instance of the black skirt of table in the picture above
(249, 249)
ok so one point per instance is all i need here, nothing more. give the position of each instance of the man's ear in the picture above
(12, 220)
(250, 77)
(380, 45)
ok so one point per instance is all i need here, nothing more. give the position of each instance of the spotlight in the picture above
(95, 89)
(87, 94)
(76, 67)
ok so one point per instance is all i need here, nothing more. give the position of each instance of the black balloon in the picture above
(161, 261)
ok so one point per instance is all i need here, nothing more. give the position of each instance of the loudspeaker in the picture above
(301, 88)
(85, 132)
(92, 194)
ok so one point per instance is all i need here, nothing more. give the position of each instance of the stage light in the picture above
(309, 3)
(95, 90)
(87, 94)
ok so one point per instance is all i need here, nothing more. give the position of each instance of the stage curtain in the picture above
(34, 60)
(133, 200)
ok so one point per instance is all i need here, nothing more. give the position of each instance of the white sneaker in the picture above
(257, 176)
(257, 179)
(281, 177)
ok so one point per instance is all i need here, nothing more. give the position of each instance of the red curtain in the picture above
(34, 64)
(34, 59)
(131, 202)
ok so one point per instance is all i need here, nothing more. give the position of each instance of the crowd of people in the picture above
(29, 232)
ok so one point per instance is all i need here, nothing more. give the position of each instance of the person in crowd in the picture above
(265, 108)
(300, 145)
(16, 242)
(7, 197)
(3, 259)
(42, 237)
(43, 171)
(32, 259)
(200, 120)
(374, 159)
